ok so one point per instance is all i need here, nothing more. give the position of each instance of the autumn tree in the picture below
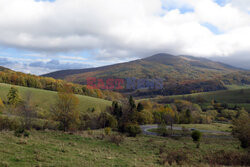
(65, 111)
(168, 115)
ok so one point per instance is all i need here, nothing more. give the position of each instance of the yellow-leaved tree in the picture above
(168, 115)
(1, 105)
(66, 109)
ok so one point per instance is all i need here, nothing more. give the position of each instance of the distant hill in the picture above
(181, 74)
(166, 66)
(3, 68)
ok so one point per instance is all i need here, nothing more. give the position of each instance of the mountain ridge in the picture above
(145, 65)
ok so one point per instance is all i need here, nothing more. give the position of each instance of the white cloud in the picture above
(125, 29)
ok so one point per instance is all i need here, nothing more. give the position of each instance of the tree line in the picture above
(47, 83)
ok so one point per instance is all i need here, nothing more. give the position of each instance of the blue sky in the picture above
(40, 36)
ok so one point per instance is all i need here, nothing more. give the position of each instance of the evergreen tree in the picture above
(132, 103)
(13, 96)
(188, 116)
(116, 110)
(140, 107)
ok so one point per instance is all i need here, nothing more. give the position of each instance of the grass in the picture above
(213, 126)
(235, 95)
(235, 87)
(53, 148)
(220, 127)
(223, 96)
(217, 127)
(45, 98)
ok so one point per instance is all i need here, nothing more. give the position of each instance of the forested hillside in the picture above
(47, 83)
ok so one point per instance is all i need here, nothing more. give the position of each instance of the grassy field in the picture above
(224, 96)
(52, 148)
(235, 95)
(45, 98)
(235, 87)
(213, 126)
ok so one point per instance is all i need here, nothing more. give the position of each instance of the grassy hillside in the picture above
(45, 98)
(52, 148)
(235, 95)
(224, 96)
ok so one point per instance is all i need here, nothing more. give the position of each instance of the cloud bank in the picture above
(116, 30)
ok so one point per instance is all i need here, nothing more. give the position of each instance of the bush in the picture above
(21, 132)
(26, 134)
(179, 157)
(228, 158)
(8, 124)
(196, 136)
(107, 120)
(117, 139)
(132, 129)
(88, 120)
(162, 130)
(51, 125)
(107, 131)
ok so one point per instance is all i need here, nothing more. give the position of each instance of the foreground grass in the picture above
(53, 148)
(45, 98)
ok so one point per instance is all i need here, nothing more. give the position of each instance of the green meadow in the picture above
(46, 98)
(54, 148)
(235, 95)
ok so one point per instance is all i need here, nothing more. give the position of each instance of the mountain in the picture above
(180, 74)
(166, 66)
(4, 69)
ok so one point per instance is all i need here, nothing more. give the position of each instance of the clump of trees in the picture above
(128, 116)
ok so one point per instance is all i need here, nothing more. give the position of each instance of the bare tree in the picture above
(27, 111)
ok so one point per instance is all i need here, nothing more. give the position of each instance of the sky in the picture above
(41, 36)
